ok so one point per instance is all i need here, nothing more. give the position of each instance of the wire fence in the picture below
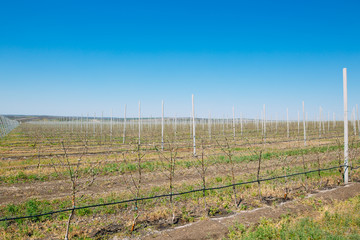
(178, 194)
(7, 125)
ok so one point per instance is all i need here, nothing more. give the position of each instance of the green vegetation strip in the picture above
(339, 221)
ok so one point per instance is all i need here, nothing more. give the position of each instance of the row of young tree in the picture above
(168, 154)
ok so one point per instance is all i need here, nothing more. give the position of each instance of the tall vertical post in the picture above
(346, 137)
(223, 124)
(304, 125)
(81, 123)
(191, 127)
(323, 122)
(264, 124)
(357, 115)
(162, 125)
(111, 125)
(101, 125)
(94, 122)
(87, 123)
(320, 125)
(233, 122)
(209, 123)
(193, 118)
(124, 133)
(287, 122)
(139, 122)
(175, 130)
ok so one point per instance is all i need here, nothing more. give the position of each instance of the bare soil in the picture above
(57, 189)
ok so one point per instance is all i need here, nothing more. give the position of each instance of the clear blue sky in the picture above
(79, 57)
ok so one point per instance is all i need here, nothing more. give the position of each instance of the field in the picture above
(145, 181)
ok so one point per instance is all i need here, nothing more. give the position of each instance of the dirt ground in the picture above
(217, 228)
(57, 189)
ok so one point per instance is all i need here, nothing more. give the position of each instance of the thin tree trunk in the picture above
(68, 224)
(258, 176)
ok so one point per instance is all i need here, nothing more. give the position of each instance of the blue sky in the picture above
(79, 57)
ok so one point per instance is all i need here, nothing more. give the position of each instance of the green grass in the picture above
(22, 177)
(339, 221)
